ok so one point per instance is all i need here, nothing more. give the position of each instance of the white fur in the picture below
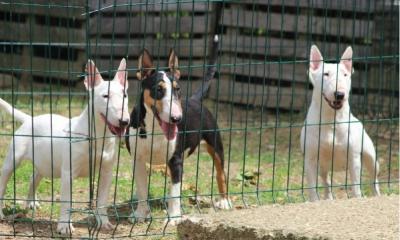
(55, 154)
(334, 137)
(155, 149)
(166, 100)
(174, 204)
(224, 203)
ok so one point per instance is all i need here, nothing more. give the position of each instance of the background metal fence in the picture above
(260, 94)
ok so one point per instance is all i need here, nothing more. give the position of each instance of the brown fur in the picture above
(221, 179)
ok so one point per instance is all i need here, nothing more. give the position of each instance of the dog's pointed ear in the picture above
(93, 76)
(145, 65)
(122, 75)
(316, 58)
(173, 64)
(346, 59)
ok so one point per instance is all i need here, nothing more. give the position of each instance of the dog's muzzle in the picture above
(170, 129)
(337, 103)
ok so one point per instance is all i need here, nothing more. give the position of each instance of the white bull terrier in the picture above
(332, 136)
(48, 141)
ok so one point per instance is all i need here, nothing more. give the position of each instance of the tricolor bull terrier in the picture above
(163, 127)
(332, 136)
(47, 140)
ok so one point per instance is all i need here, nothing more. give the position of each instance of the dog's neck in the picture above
(144, 120)
(150, 121)
(89, 117)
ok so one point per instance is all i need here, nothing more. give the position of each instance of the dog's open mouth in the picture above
(170, 130)
(119, 131)
(335, 104)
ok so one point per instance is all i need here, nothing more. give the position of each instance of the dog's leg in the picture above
(64, 223)
(224, 203)
(373, 170)
(104, 189)
(310, 166)
(142, 211)
(32, 202)
(12, 159)
(175, 165)
(326, 181)
(355, 173)
(371, 163)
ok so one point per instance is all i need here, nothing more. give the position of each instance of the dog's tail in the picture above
(18, 115)
(202, 91)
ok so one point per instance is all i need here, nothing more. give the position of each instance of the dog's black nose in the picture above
(175, 119)
(123, 123)
(339, 95)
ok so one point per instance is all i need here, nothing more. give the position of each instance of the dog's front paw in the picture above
(174, 215)
(103, 223)
(140, 215)
(107, 226)
(33, 205)
(224, 203)
(173, 221)
(65, 228)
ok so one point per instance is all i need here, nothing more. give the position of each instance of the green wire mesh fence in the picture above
(259, 97)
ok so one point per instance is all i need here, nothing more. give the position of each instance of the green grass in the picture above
(263, 166)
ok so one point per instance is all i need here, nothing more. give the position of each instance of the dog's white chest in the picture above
(334, 145)
(335, 135)
(330, 140)
(154, 148)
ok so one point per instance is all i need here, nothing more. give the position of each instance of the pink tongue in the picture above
(170, 130)
(118, 131)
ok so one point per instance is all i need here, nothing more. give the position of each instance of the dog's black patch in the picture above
(137, 117)
(142, 133)
(152, 84)
(138, 114)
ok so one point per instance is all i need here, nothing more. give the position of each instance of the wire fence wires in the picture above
(259, 97)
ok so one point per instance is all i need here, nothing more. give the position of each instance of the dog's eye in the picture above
(105, 96)
(326, 74)
(345, 74)
(160, 91)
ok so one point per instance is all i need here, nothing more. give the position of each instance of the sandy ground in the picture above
(366, 218)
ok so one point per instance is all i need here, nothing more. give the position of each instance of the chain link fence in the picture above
(259, 97)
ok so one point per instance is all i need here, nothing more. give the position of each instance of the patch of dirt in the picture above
(41, 228)
(365, 218)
